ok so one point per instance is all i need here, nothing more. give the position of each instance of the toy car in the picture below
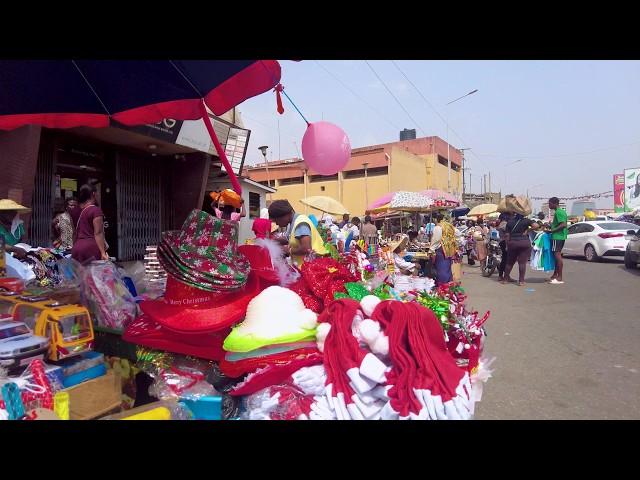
(68, 327)
(18, 345)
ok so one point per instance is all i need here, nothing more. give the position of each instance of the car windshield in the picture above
(618, 226)
(27, 314)
(74, 327)
(13, 331)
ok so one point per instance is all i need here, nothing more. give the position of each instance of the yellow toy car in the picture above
(68, 327)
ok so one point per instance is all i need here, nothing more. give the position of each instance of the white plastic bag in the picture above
(15, 268)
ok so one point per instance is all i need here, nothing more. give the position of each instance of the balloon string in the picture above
(294, 106)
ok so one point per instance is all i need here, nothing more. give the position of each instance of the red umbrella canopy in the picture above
(75, 93)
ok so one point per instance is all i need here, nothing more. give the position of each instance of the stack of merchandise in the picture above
(419, 358)
(381, 360)
(330, 345)
(155, 276)
(209, 286)
(276, 339)
(111, 303)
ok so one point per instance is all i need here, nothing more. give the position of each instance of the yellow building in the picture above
(373, 171)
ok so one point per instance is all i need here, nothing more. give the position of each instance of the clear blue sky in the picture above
(575, 123)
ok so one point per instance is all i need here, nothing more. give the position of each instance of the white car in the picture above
(18, 346)
(596, 239)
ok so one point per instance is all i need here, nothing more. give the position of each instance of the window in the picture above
(254, 205)
(617, 226)
(20, 329)
(323, 178)
(292, 181)
(371, 172)
(74, 327)
(580, 228)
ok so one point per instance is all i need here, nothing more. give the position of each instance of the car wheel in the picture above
(628, 261)
(590, 254)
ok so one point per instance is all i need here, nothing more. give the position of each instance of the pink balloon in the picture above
(325, 148)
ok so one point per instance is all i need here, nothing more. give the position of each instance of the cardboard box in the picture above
(95, 398)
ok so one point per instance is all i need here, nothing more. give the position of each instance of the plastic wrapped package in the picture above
(278, 402)
(37, 385)
(135, 271)
(293, 399)
(175, 376)
(108, 297)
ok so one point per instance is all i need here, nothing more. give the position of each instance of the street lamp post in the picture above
(463, 174)
(449, 146)
(263, 149)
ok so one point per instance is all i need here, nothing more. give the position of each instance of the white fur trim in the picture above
(373, 368)
(369, 304)
(381, 392)
(437, 403)
(355, 413)
(388, 413)
(342, 406)
(369, 330)
(360, 384)
(367, 398)
(381, 346)
(368, 410)
(328, 391)
(286, 274)
(451, 411)
(322, 331)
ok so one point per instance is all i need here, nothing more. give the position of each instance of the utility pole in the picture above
(464, 187)
(490, 194)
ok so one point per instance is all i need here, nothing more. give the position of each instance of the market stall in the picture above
(213, 330)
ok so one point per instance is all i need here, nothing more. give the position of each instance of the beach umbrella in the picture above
(483, 209)
(441, 197)
(325, 204)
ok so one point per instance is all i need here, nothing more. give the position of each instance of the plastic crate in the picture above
(109, 342)
(86, 374)
(205, 408)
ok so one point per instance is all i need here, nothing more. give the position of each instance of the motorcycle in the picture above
(494, 257)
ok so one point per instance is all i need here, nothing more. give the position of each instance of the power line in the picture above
(535, 157)
(395, 98)
(437, 112)
(384, 117)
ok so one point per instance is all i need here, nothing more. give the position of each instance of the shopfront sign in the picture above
(618, 192)
(193, 134)
(631, 189)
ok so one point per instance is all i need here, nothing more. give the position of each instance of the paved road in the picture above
(567, 351)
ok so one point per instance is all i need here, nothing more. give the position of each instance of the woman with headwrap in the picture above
(226, 205)
(303, 237)
(443, 247)
(11, 227)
